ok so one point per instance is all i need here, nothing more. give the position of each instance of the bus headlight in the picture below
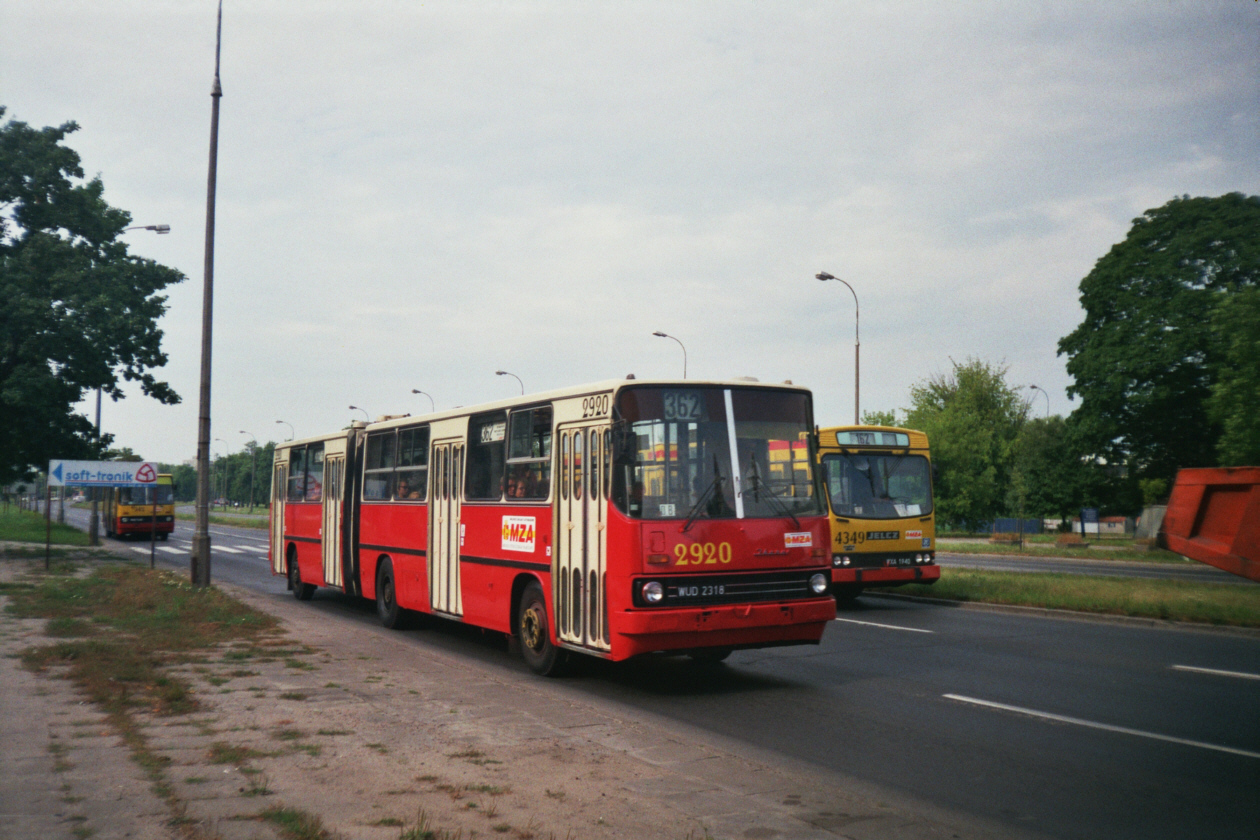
(818, 584)
(653, 592)
(836, 560)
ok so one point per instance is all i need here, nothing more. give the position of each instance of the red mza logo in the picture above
(518, 533)
(800, 539)
(914, 535)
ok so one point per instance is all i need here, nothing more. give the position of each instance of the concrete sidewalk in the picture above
(378, 733)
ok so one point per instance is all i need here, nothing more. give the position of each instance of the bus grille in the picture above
(699, 590)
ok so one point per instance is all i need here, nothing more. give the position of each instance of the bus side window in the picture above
(487, 436)
(297, 473)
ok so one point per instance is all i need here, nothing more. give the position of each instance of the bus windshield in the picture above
(144, 495)
(674, 458)
(878, 486)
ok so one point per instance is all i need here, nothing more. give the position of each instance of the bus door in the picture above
(446, 484)
(579, 567)
(330, 531)
(279, 491)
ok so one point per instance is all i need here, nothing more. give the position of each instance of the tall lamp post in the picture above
(432, 405)
(1044, 394)
(223, 477)
(857, 345)
(253, 461)
(290, 425)
(364, 410)
(514, 376)
(659, 334)
(200, 559)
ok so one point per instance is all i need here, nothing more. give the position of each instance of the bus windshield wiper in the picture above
(754, 479)
(716, 484)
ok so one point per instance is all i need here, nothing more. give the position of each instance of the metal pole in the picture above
(48, 529)
(200, 560)
(94, 524)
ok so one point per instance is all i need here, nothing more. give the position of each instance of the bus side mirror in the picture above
(936, 474)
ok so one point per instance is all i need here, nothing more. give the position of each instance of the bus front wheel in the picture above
(534, 633)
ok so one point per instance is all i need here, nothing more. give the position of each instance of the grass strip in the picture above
(1236, 605)
(1154, 555)
(28, 526)
(256, 522)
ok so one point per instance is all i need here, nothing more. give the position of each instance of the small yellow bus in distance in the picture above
(879, 495)
(129, 510)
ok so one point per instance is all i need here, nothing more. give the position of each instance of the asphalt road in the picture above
(1057, 728)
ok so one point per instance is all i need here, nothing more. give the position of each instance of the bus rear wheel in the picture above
(534, 633)
(301, 591)
(387, 609)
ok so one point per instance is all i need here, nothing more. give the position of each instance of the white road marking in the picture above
(885, 626)
(1216, 672)
(259, 548)
(139, 550)
(225, 549)
(167, 549)
(1123, 730)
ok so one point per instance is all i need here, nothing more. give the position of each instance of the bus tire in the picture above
(387, 609)
(847, 594)
(301, 591)
(534, 634)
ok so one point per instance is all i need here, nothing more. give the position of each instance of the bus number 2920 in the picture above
(596, 406)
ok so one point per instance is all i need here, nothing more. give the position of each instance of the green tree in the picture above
(880, 418)
(972, 418)
(1145, 359)
(1058, 477)
(1235, 399)
(78, 311)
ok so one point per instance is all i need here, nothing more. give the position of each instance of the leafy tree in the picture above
(972, 418)
(1058, 477)
(78, 311)
(880, 418)
(1235, 399)
(1146, 359)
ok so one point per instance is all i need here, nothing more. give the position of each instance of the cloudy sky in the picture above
(415, 195)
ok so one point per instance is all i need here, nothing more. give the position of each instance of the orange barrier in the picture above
(1214, 517)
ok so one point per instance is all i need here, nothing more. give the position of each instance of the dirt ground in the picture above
(379, 736)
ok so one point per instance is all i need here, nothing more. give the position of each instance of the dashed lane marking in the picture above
(1107, 727)
(885, 626)
(1243, 675)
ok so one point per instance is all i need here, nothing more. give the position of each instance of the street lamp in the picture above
(155, 228)
(1047, 396)
(290, 425)
(432, 405)
(364, 410)
(659, 334)
(857, 344)
(514, 376)
(253, 459)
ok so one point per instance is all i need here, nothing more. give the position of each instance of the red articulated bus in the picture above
(614, 519)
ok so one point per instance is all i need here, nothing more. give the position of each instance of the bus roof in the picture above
(603, 386)
(827, 438)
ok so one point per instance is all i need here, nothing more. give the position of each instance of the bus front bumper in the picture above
(887, 576)
(735, 625)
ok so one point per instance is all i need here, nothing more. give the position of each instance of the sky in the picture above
(416, 195)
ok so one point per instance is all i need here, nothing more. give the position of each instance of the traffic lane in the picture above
(1191, 571)
(897, 729)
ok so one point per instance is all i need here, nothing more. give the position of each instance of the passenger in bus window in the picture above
(405, 490)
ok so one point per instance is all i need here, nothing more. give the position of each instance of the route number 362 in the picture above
(702, 554)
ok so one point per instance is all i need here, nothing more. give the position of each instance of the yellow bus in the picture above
(129, 510)
(879, 495)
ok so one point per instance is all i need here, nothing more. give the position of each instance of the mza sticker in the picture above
(800, 539)
(518, 533)
(914, 535)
